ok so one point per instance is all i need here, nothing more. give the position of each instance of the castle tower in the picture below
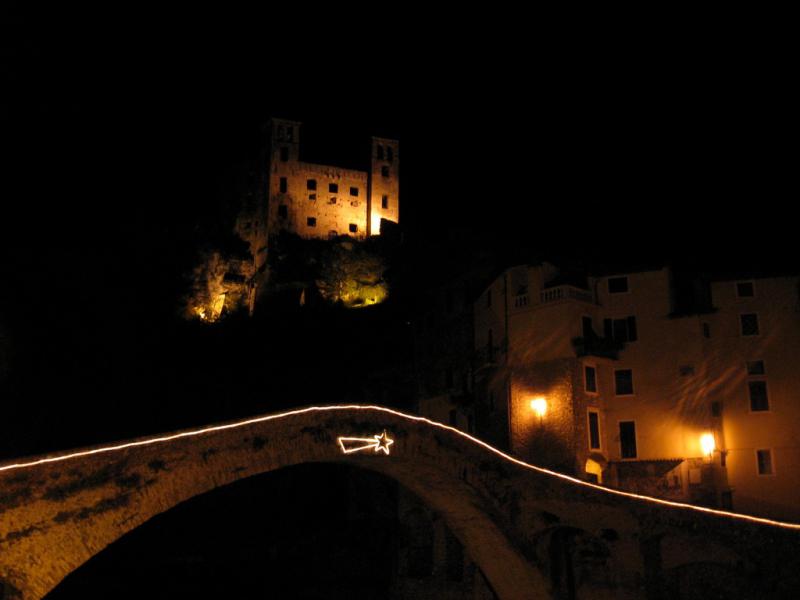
(283, 156)
(384, 184)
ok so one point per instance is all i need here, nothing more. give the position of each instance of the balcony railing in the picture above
(565, 292)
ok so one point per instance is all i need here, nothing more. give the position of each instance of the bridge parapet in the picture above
(533, 533)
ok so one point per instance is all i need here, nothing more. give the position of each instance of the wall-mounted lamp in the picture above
(539, 406)
(708, 444)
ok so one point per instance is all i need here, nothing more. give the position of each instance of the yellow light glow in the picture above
(376, 224)
(380, 443)
(412, 418)
(539, 406)
(707, 443)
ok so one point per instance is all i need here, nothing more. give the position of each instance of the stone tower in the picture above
(384, 184)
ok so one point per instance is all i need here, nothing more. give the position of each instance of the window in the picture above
(621, 330)
(311, 184)
(617, 285)
(627, 439)
(353, 227)
(380, 152)
(284, 154)
(311, 221)
(594, 430)
(389, 154)
(756, 367)
(764, 462)
(749, 323)
(354, 191)
(332, 200)
(312, 196)
(333, 188)
(384, 201)
(758, 396)
(590, 379)
(586, 327)
(745, 289)
(623, 382)
(283, 211)
(384, 171)
(283, 185)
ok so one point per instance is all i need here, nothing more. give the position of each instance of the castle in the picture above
(284, 194)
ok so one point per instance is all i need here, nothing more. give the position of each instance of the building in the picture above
(320, 201)
(613, 377)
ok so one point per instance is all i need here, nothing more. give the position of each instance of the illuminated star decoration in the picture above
(380, 443)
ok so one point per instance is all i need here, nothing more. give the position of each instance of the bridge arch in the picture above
(62, 510)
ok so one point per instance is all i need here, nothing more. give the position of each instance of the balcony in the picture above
(565, 292)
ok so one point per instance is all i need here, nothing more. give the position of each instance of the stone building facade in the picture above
(324, 201)
(638, 393)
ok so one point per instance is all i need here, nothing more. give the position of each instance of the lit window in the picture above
(745, 289)
(283, 185)
(384, 201)
(764, 461)
(311, 221)
(353, 227)
(623, 382)
(594, 430)
(617, 285)
(590, 379)
(758, 396)
(354, 191)
(627, 439)
(749, 323)
(333, 188)
(311, 184)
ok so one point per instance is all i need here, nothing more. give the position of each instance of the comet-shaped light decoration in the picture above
(380, 443)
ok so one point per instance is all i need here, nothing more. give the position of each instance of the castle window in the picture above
(311, 184)
(283, 185)
(758, 396)
(623, 382)
(332, 200)
(284, 154)
(354, 191)
(617, 285)
(380, 152)
(283, 211)
(333, 188)
(764, 462)
(312, 196)
(745, 289)
(749, 324)
(384, 171)
(311, 221)
(384, 201)
(353, 227)
(389, 154)
(627, 439)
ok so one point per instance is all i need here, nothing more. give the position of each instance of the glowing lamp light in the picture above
(539, 406)
(707, 443)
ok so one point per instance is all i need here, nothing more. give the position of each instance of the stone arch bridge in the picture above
(533, 533)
